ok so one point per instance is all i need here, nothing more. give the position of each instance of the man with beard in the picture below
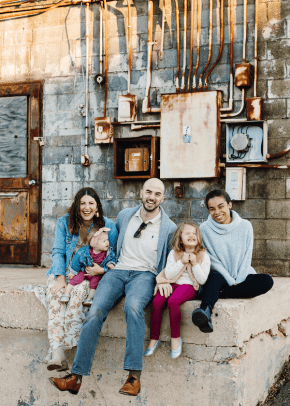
(142, 248)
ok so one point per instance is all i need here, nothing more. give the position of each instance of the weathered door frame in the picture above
(11, 252)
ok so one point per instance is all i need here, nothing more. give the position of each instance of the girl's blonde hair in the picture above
(176, 242)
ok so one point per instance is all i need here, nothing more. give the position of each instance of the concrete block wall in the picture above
(51, 46)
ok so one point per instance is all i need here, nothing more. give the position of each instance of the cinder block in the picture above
(260, 249)
(50, 103)
(61, 190)
(288, 188)
(269, 229)
(47, 243)
(38, 58)
(17, 37)
(269, 189)
(118, 63)
(71, 102)
(111, 208)
(273, 69)
(59, 85)
(56, 155)
(49, 173)
(47, 34)
(169, 59)
(200, 188)
(279, 209)
(70, 173)
(118, 189)
(279, 88)
(48, 208)
(251, 208)
(275, 108)
(278, 249)
(52, 58)
(73, 31)
(98, 172)
(62, 206)
(48, 225)
(272, 267)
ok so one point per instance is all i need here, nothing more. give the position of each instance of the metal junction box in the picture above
(137, 159)
(127, 110)
(236, 183)
(190, 135)
(103, 130)
(246, 141)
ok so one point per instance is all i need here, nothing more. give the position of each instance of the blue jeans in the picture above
(138, 287)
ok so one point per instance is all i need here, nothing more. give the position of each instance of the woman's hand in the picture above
(165, 289)
(184, 259)
(111, 266)
(70, 275)
(59, 284)
(94, 270)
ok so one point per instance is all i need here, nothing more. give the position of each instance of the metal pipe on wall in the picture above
(256, 46)
(85, 160)
(191, 43)
(146, 102)
(198, 23)
(177, 45)
(221, 44)
(129, 46)
(101, 38)
(244, 61)
(230, 106)
(184, 45)
(106, 59)
(209, 45)
(162, 30)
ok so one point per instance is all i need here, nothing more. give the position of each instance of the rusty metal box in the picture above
(243, 74)
(127, 110)
(254, 108)
(103, 130)
(137, 159)
(190, 135)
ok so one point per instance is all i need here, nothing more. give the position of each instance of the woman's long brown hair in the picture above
(176, 242)
(75, 220)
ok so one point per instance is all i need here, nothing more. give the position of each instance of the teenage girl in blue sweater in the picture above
(228, 240)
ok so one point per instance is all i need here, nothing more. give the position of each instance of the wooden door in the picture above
(20, 172)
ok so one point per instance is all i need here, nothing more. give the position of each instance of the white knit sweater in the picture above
(200, 271)
(230, 247)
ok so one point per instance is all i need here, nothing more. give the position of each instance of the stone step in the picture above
(235, 365)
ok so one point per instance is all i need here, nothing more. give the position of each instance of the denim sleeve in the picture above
(113, 234)
(59, 249)
(110, 259)
(76, 264)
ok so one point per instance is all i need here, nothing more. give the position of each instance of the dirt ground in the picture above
(279, 394)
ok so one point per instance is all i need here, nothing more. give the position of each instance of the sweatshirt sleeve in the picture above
(201, 271)
(247, 259)
(172, 267)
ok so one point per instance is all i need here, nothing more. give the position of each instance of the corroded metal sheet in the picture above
(13, 137)
(254, 108)
(190, 135)
(14, 216)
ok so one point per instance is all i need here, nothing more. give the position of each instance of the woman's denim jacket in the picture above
(65, 243)
(82, 258)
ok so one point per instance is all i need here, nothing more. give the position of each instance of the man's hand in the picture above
(165, 289)
(70, 275)
(185, 258)
(94, 270)
(59, 284)
(111, 266)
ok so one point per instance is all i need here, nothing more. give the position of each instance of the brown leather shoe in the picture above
(68, 383)
(131, 387)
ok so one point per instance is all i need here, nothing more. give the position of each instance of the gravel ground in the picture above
(279, 394)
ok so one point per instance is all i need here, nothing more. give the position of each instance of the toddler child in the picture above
(187, 267)
(98, 252)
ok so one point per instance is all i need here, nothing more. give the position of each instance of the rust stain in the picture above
(254, 108)
(243, 75)
(14, 223)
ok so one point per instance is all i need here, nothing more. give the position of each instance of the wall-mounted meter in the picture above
(236, 183)
(246, 141)
(127, 110)
(103, 130)
(137, 159)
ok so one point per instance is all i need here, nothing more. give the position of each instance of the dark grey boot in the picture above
(202, 319)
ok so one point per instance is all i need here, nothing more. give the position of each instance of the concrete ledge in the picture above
(233, 366)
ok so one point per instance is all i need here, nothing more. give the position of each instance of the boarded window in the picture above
(13, 137)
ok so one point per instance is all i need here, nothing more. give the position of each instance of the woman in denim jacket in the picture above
(65, 321)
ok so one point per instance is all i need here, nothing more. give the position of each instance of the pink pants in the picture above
(80, 277)
(180, 294)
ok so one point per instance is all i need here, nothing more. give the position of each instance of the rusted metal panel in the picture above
(127, 110)
(14, 216)
(20, 238)
(190, 135)
(254, 108)
(103, 130)
(243, 74)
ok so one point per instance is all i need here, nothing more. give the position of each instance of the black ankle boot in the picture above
(202, 319)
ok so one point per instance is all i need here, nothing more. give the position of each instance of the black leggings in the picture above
(216, 286)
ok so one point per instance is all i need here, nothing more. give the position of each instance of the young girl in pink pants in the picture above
(187, 267)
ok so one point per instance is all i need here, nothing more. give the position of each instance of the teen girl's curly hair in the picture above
(176, 242)
(75, 220)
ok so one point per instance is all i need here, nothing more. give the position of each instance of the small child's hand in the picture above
(185, 258)
(70, 275)
(111, 266)
(192, 259)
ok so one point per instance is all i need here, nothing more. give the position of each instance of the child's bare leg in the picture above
(68, 289)
(91, 294)
(152, 343)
